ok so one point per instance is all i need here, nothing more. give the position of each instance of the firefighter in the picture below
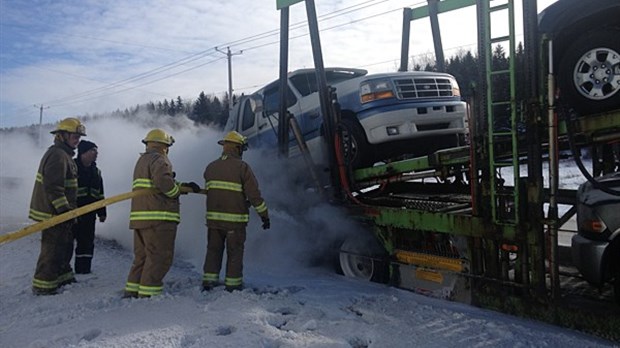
(90, 190)
(154, 217)
(55, 192)
(231, 189)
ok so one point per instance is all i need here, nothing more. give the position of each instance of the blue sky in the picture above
(87, 57)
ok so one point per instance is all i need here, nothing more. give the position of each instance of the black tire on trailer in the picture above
(589, 71)
(357, 151)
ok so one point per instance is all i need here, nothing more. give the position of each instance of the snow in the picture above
(292, 296)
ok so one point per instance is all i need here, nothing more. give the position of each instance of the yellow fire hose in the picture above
(71, 214)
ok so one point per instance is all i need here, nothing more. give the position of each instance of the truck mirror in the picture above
(256, 103)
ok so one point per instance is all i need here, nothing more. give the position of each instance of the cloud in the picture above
(55, 51)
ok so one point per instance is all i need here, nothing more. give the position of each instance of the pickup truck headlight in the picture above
(375, 90)
(456, 90)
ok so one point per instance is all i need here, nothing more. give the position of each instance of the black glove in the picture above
(194, 186)
(266, 223)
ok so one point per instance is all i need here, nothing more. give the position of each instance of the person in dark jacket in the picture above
(154, 217)
(54, 193)
(90, 190)
(231, 189)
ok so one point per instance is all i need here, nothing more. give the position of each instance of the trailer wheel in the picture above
(364, 259)
(589, 71)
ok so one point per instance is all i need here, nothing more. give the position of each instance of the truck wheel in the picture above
(589, 72)
(357, 151)
(362, 258)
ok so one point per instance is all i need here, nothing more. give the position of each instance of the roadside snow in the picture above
(304, 307)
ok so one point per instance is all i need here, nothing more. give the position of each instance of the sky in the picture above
(72, 58)
(292, 297)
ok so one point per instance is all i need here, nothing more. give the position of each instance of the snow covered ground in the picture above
(292, 297)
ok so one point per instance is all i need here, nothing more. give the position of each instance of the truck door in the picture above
(246, 124)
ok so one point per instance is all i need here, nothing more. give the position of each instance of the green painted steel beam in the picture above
(394, 168)
(436, 160)
(454, 156)
(594, 123)
(455, 224)
(442, 6)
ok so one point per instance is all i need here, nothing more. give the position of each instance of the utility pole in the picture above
(230, 89)
(40, 107)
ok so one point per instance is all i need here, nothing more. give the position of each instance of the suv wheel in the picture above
(589, 71)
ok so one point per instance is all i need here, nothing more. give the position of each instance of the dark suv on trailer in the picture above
(596, 247)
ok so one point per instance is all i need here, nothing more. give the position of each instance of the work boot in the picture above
(82, 265)
(66, 278)
(67, 282)
(208, 286)
(130, 294)
(43, 292)
(231, 288)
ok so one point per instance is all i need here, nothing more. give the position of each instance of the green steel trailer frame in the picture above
(474, 236)
(448, 224)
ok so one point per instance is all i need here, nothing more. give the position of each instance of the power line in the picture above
(95, 93)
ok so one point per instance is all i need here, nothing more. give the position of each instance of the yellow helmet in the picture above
(159, 136)
(70, 125)
(236, 138)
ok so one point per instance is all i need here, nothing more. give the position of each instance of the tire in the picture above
(357, 151)
(361, 257)
(589, 72)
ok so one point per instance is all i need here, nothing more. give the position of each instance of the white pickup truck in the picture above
(385, 116)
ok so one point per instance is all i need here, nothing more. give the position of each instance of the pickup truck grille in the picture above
(426, 87)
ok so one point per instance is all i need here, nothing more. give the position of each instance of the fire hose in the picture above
(72, 214)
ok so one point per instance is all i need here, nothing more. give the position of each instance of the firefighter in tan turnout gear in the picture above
(54, 193)
(230, 185)
(154, 217)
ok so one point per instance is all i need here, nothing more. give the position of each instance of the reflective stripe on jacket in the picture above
(230, 184)
(154, 170)
(55, 186)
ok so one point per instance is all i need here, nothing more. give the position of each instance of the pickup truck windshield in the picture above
(306, 83)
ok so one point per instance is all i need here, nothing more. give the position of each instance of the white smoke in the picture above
(304, 228)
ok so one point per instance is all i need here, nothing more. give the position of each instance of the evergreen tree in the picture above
(180, 107)
(218, 112)
(199, 111)
(172, 108)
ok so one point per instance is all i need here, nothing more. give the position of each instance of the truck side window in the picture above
(248, 117)
(272, 100)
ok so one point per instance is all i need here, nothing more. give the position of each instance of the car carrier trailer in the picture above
(449, 224)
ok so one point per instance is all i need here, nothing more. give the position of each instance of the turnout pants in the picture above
(153, 254)
(84, 236)
(233, 241)
(53, 265)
